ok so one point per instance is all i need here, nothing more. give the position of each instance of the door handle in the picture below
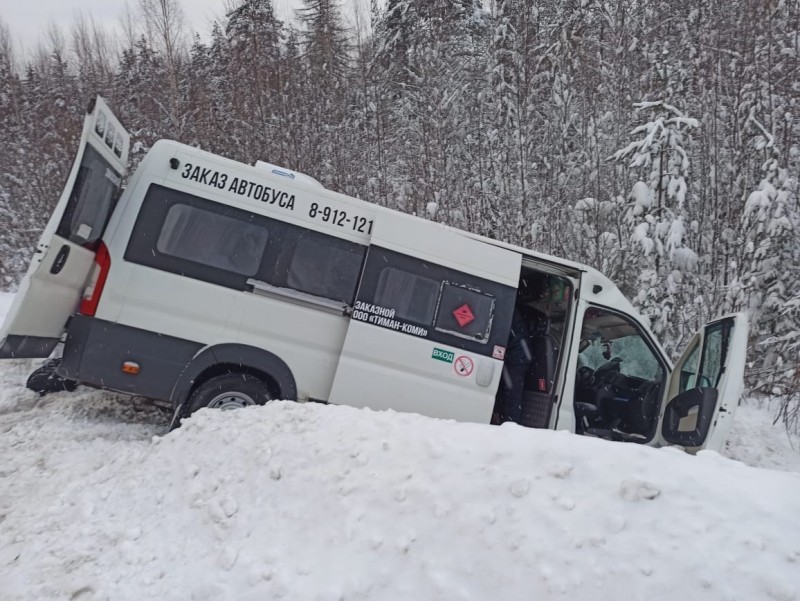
(485, 373)
(60, 261)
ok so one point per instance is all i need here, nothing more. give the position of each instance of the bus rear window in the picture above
(93, 198)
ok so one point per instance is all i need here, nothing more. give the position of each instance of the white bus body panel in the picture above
(307, 339)
(385, 369)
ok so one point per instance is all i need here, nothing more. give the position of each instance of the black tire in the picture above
(229, 391)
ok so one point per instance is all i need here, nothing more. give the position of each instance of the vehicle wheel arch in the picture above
(220, 359)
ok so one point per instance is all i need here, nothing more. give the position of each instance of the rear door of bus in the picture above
(430, 322)
(71, 242)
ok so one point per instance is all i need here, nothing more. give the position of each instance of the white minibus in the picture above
(210, 283)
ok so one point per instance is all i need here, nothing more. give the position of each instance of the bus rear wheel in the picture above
(229, 391)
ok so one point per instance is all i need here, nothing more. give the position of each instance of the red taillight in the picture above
(91, 296)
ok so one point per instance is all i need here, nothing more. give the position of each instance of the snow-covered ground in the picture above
(293, 501)
(757, 441)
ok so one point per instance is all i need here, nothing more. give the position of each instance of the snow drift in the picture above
(311, 502)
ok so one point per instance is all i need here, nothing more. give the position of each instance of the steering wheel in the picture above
(606, 372)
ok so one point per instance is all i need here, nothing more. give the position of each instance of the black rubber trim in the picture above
(27, 347)
(96, 349)
(77, 337)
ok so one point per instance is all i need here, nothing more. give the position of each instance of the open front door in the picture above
(52, 287)
(430, 322)
(706, 385)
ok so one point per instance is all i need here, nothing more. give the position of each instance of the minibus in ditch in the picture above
(206, 282)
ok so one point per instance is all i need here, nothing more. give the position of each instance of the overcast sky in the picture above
(28, 19)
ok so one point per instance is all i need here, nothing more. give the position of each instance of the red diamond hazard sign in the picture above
(464, 315)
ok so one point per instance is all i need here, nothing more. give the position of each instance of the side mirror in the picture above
(688, 417)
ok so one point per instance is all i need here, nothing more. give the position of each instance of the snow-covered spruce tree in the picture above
(163, 20)
(254, 37)
(94, 54)
(326, 43)
(141, 90)
(771, 226)
(430, 82)
(325, 47)
(15, 244)
(530, 99)
(197, 92)
(293, 141)
(366, 119)
(769, 263)
(560, 146)
(656, 217)
(505, 187)
(606, 70)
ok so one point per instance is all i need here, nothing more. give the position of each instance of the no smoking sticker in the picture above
(463, 365)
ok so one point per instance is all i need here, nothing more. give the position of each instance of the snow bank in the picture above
(756, 439)
(311, 502)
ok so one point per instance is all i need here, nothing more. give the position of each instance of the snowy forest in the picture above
(656, 140)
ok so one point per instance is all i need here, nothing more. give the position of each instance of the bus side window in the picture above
(412, 296)
(441, 304)
(214, 240)
(197, 238)
(325, 266)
